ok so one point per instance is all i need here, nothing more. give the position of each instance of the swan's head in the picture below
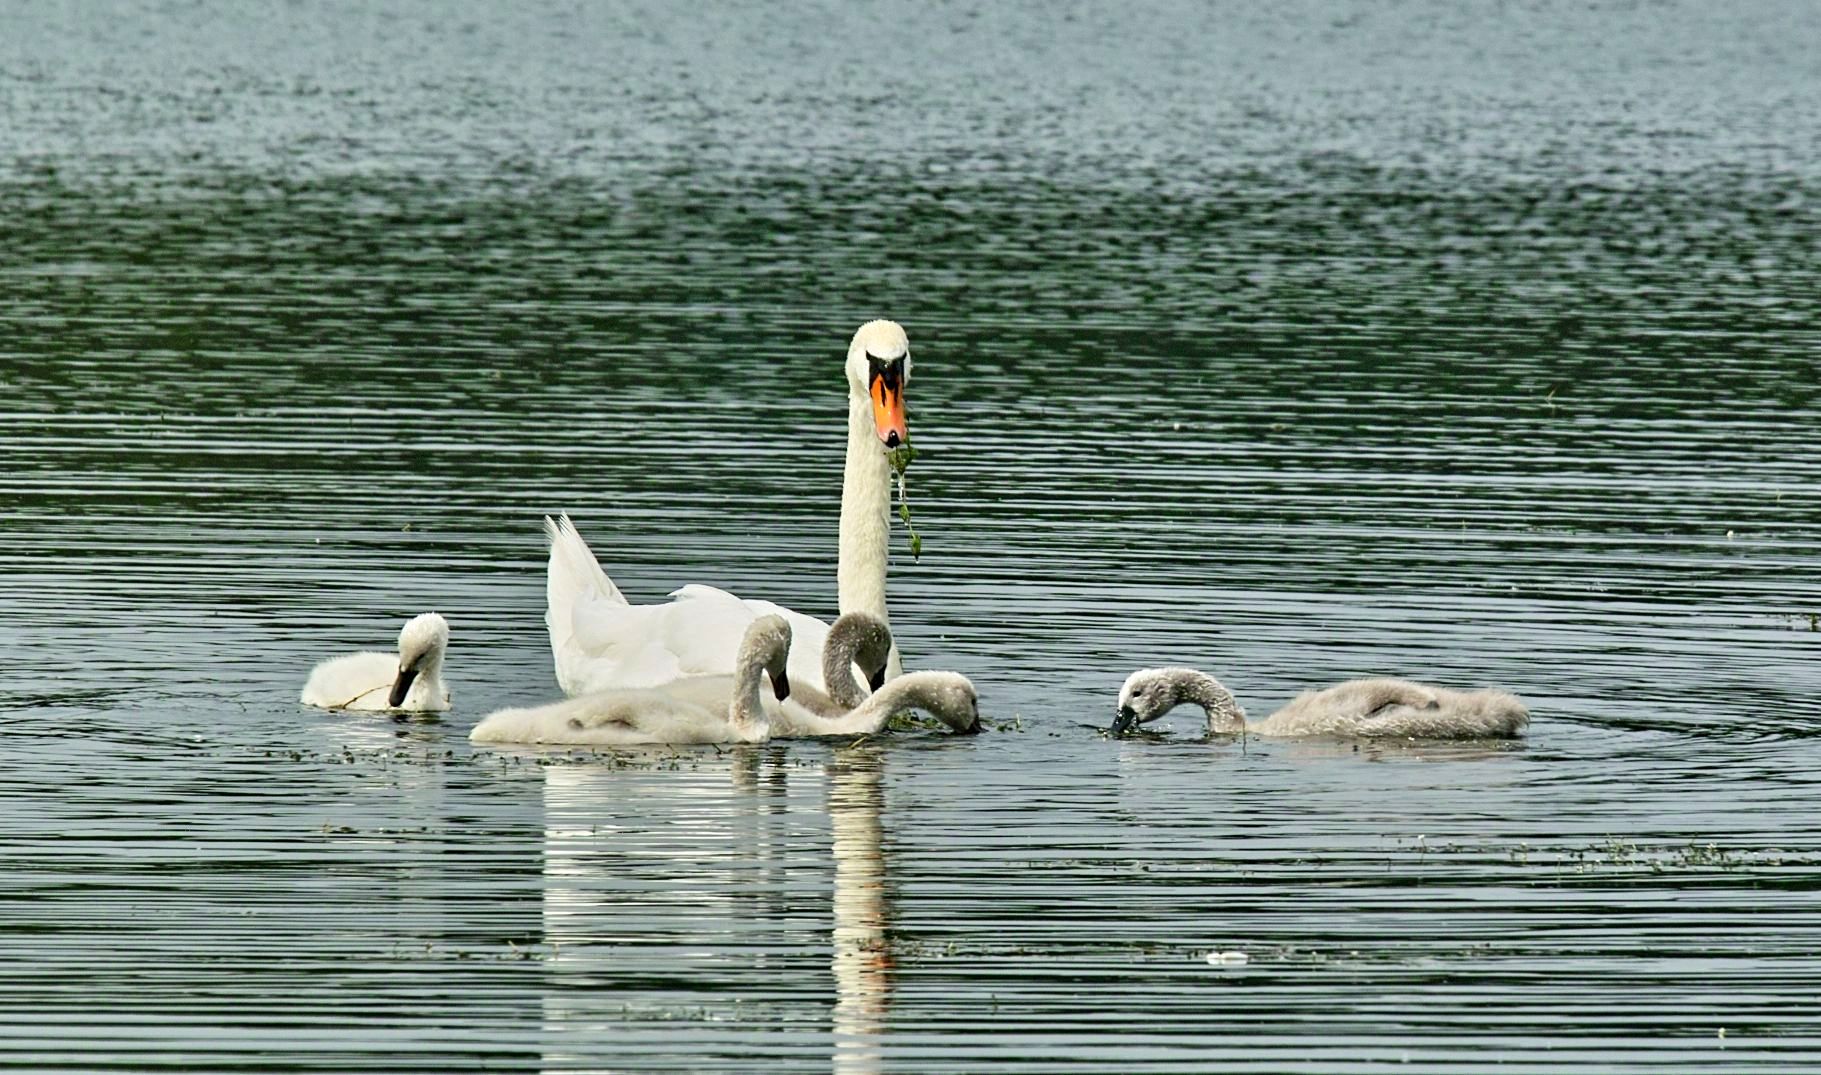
(858, 638)
(953, 701)
(947, 696)
(420, 652)
(1148, 694)
(766, 645)
(879, 366)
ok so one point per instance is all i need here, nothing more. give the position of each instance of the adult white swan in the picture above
(600, 640)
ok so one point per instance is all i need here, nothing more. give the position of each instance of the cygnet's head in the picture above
(879, 366)
(858, 638)
(948, 696)
(766, 645)
(959, 707)
(420, 652)
(1149, 693)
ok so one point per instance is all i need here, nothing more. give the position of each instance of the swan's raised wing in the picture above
(599, 641)
(574, 582)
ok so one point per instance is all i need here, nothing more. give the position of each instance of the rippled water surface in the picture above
(1473, 343)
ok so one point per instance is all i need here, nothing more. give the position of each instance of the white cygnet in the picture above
(410, 680)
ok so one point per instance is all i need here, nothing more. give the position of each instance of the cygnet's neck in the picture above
(1225, 717)
(838, 656)
(429, 683)
(866, 487)
(838, 676)
(933, 692)
(746, 712)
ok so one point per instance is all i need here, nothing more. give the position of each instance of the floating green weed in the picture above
(911, 721)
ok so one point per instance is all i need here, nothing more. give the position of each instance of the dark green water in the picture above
(1468, 343)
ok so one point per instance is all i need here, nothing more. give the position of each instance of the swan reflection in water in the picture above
(667, 894)
(862, 910)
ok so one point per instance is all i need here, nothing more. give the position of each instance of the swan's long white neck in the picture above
(866, 488)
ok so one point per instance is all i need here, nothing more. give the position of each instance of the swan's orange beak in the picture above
(888, 402)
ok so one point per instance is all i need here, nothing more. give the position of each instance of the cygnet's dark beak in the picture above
(780, 685)
(877, 680)
(401, 686)
(1126, 718)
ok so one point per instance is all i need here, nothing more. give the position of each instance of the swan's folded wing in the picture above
(696, 633)
(808, 636)
(1487, 714)
(711, 622)
(612, 645)
(1375, 695)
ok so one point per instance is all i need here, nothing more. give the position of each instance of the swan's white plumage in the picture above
(691, 711)
(364, 680)
(599, 640)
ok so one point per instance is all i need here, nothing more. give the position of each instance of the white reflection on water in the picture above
(666, 888)
(862, 949)
(643, 868)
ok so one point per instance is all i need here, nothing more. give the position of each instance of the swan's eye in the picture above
(888, 370)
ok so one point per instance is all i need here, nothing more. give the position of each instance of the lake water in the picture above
(1472, 343)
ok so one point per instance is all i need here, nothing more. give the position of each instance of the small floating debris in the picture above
(1228, 959)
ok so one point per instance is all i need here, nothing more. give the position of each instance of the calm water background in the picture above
(1470, 342)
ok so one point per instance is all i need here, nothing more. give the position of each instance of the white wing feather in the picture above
(600, 641)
